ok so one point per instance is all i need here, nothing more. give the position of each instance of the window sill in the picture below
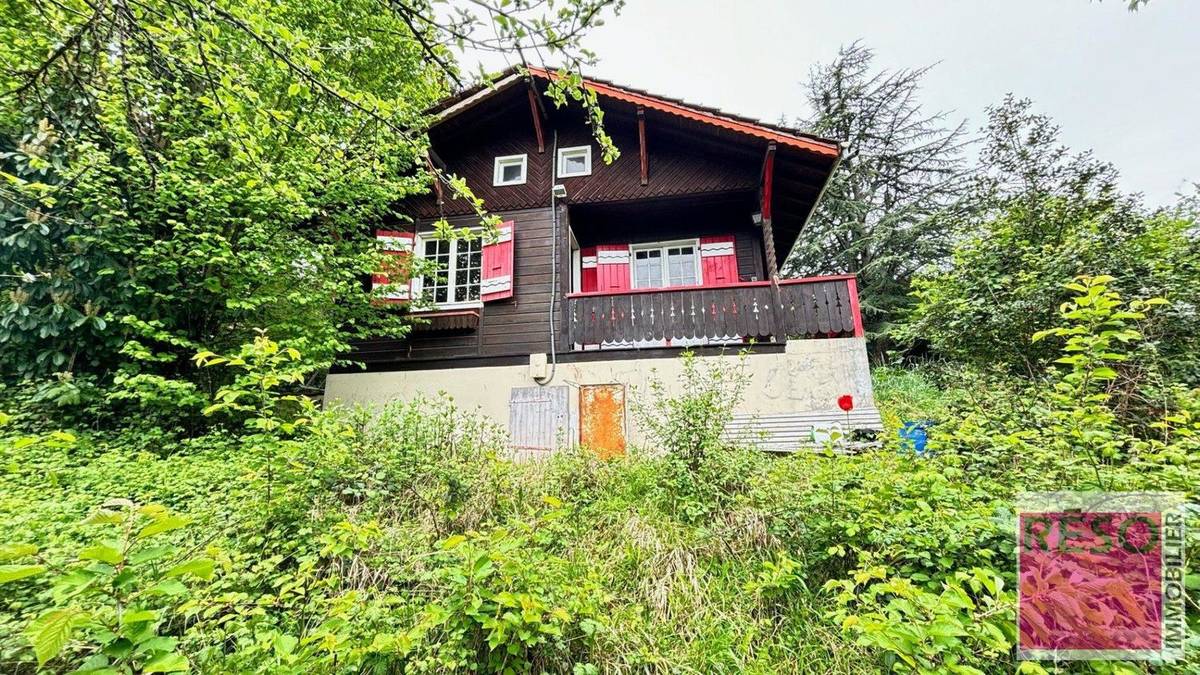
(452, 306)
(442, 320)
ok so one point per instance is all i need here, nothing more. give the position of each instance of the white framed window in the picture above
(510, 170)
(666, 264)
(455, 283)
(575, 161)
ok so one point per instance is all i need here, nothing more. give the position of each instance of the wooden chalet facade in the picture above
(675, 244)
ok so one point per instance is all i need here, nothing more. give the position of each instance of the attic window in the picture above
(510, 170)
(575, 161)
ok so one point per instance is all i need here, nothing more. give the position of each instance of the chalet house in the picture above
(603, 273)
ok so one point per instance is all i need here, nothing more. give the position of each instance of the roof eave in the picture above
(505, 81)
(837, 162)
(826, 148)
(512, 76)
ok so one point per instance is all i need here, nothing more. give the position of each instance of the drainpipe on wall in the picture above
(555, 189)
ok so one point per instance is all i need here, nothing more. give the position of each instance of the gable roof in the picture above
(802, 168)
(716, 117)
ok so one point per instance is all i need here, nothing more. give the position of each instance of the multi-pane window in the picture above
(662, 265)
(647, 268)
(459, 269)
(681, 266)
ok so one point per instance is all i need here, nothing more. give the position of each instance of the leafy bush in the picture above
(504, 603)
(969, 624)
(400, 540)
(1040, 215)
(705, 468)
(116, 596)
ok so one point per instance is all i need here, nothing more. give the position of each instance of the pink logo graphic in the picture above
(1100, 577)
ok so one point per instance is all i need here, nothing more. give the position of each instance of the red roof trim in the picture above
(827, 149)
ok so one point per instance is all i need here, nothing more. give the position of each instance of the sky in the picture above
(1124, 84)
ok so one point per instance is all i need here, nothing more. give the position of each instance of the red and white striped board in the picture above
(496, 278)
(718, 260)
(587, 272)
(400, 245)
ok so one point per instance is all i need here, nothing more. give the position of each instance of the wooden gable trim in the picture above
(614, 92)
(645, 161)
(483, 93)
(535, 112)
(824, 148)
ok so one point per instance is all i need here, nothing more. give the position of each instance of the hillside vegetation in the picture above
(188, 195)
(293, 540)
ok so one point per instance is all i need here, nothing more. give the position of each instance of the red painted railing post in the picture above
(852, 283)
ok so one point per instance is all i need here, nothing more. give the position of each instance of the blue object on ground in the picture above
(915, 435)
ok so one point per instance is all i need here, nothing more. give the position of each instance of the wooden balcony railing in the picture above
(797, 308)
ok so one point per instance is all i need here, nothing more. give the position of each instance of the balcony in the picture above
(816, 307)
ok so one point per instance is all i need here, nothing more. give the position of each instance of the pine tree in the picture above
(901, 168)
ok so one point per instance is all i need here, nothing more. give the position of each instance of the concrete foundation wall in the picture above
(808, 376)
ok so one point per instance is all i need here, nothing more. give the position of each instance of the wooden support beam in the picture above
(768, 180)
(537, 118)
(437, 160)
(641, 118)
(437, 181)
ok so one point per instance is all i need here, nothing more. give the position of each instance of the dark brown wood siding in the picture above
(676, 167)
(679, 164)
(667, 219)
(471, 154)
(515, 327)
(703, 180)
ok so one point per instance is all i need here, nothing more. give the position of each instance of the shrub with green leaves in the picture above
(399, 539)
(966, 625)
(109, 606)
(1038, 215)
(504, 602)
(687, 422)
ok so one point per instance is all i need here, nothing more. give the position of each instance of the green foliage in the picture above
(263, 368)
(110, 605)
(507, 604)
(174, 173)
(181, 196)
(1039, 215)
(690, 424)
(687, 420)
(1099, 327)
(883, 214)
(401, 539)
(968, 625)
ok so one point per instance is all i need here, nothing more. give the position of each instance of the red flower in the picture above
(846, 402)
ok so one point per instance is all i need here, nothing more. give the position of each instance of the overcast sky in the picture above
(1126, 85)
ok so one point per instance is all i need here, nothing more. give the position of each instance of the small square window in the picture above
(575, 161)
(510, 170)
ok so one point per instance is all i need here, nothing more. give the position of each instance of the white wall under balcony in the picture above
(807, 377)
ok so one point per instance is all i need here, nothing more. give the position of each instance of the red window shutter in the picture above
(398, 246)
(497, 275)
(587, 272)
(612, 267)
(718, 260)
